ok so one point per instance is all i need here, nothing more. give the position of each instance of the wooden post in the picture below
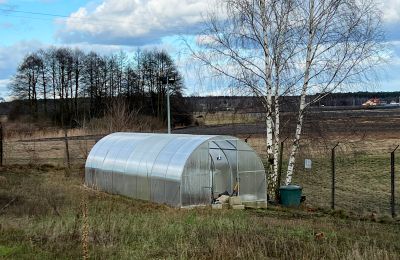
(333, 177)
(67, 147)
(1, 144)
(392, 183)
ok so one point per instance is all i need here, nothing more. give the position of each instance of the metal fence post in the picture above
(392, 183)
(333, 177)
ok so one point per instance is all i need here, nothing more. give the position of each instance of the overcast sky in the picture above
(111, 25)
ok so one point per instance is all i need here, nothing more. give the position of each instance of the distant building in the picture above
(373, 102)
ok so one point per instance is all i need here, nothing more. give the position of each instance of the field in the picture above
(52, 216)
(46, 212)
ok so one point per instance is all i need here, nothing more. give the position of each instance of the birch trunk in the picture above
(296, 141)
(300, 117)
(267, 62)
(268, 85)
(276, 141)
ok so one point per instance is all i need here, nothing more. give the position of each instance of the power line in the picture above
(83, 20)
(27, 17)
(65, 17)
(36, 13)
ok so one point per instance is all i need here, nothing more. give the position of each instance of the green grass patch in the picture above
(46, 221)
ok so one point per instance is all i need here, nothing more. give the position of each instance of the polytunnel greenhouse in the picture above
(175, 169)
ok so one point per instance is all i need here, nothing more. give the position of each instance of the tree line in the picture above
(67, 84)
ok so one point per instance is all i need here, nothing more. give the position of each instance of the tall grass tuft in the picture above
(85, 228)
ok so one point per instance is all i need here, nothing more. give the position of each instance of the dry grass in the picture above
(113, 122)
(28, 131)
(45, 215)
(362, 173)
(222, 118)
(47, 221)
(46, 152)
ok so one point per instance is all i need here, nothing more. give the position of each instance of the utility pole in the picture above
(167, 80)
(168, 109)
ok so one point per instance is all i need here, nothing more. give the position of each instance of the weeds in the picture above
(85, 228)
(92, 224)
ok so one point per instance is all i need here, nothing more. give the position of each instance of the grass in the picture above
(45, 220)
(45, 152)
(362, 183)
(45, 215)
(362, 174)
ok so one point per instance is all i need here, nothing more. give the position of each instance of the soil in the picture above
(377, 123)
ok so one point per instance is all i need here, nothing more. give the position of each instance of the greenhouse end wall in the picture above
(177, 170)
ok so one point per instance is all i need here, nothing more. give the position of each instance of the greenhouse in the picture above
(175, 169)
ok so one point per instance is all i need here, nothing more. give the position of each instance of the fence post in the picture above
(1, 144)
(333, 177)
(392, 183)
(67, 148)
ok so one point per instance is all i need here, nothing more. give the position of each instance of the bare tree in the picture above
(273, 48)
(342, 41)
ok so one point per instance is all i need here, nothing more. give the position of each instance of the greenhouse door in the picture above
(222, 172)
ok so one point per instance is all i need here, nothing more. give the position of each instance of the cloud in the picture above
(133, 22)
(3, 88)
(11, 55)
(391, 11)
(3, 1)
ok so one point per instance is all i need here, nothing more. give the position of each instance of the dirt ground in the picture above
(327, 123)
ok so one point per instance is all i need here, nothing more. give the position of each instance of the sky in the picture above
(107, 26)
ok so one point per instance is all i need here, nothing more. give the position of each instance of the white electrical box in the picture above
(307, 164)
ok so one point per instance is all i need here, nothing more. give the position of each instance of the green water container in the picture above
(290, 195)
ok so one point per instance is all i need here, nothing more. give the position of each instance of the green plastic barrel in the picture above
(290, 195)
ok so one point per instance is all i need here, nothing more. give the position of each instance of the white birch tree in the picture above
(272, 48)
(342, 41)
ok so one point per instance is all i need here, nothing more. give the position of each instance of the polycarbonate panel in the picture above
(97, 177)
(223, 143)
(172, 169)
(149, 152)
(179, 164)
(252, 186)
(91, 156)
(196, 186)
(111, 158)
(160, 168)
(251, 175)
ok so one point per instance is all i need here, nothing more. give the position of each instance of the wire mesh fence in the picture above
(362, 176)
(362, 168)
(45, 151)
